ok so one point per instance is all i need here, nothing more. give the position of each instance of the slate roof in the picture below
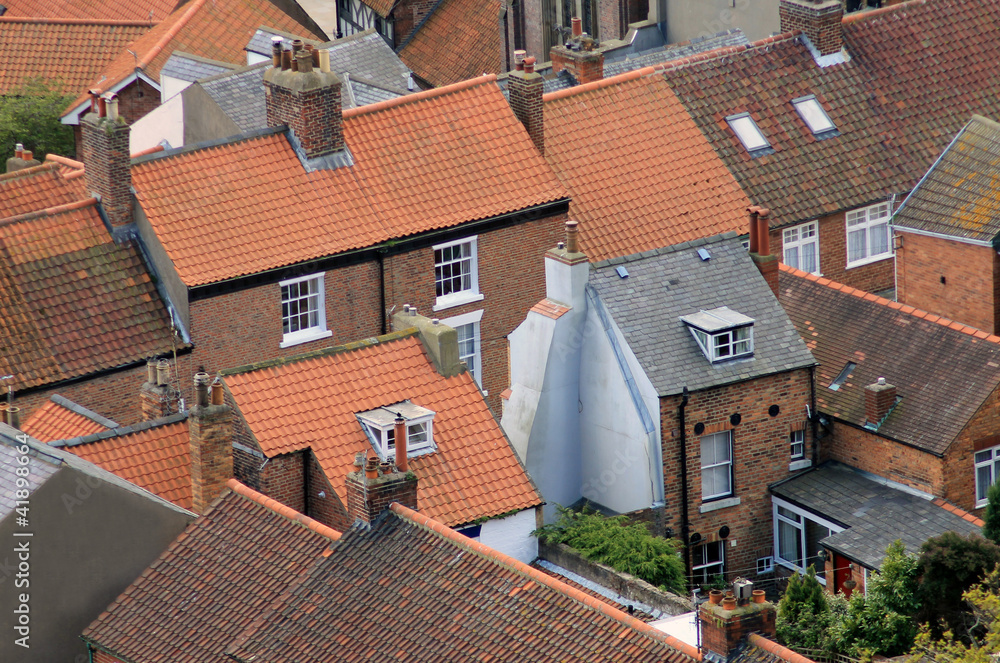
(67, 53)
(960, 195)
(213, 29)
(463, 601)
(640, 173)
(118, 10)
(665, 284)
(874, 513)
(259, 192)
(943, 370)
(675, 51)
(363, 92)
(72, 301)
(60, 419)
(907, 88)
(213, 580)
(40, 468)
(311, 402)
(366, 55)
(191, 68)
(459, 39)
(39, 187)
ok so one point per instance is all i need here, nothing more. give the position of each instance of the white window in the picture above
(721, 333)
(708, 562)
(380, 427)
(469, 349)
(800, 246)
(868, 235)
(456, 274)
(717, 465)
(303, 310)
(797, 536)
(798, 443)
(746, 130)
(987, 472)
(812, 113)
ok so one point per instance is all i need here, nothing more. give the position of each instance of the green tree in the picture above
(984, 604)
(950, 565)
(991, 528)
(30, 115)
(804, 615)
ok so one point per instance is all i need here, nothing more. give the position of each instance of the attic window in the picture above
(746, 130)
(844, 374)
(721, 333)
(380, 427)
(812, 113)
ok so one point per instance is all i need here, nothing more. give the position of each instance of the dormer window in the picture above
(746, 130)
(380, 427)
(721, 333)
(812, 113)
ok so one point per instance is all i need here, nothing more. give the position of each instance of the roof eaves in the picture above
(78, 21)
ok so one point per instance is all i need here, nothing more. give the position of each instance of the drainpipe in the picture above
(813, 415)
(685, 525)
(380, 255)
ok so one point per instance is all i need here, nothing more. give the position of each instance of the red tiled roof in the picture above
(213, 580)
(459, 40)
(213, 29)
(426, 161)
(53, 422)
(122, 10)
(68, 53)
(381, 7)
(72, 302)
(549, 309)
(311, 402)
(641, 174)
(32, 189)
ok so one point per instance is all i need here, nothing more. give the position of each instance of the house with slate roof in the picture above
(669, 385)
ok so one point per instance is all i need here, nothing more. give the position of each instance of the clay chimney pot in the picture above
(577, 26)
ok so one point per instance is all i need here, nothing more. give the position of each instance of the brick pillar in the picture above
(371, 489)
(879, 399)
(210, 423)
(820, 20)
(108, 163)
(526, 87)
(723, 630)
(308, 101)
(156, 397)
(586, 66)
(766, 263)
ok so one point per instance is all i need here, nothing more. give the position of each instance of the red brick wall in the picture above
(968, 294)
(534, 40)
(283, 478)
(313, 114)
(407, 16)
(115, 396)
(761, 455)
(821, 24)
(367, 498)
(959, 464)
(328, 510)
(872, 453)
(102, 657)
(134, 101)
(526, 101)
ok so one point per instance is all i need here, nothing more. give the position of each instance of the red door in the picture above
(841, 574)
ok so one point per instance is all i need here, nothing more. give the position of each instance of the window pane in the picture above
(789, 543)
(809, 258)
(791, 515)
(791, 235)
(856, 245)
(814, 116)
(878, 236)
(983, 480)
(748, 133)
(984, 456)
(792, 257)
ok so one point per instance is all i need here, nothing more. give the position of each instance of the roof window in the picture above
(721, 333)
(380, 427)
(746, 130)
(844, 374)
(812, 113)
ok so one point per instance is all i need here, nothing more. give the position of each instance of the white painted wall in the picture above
(165, 122)
(171, 87)
(256, 58)
(512, 535)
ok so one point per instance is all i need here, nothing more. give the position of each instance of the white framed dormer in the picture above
(721, 333)
(380, 427)
(868, 238)
(456, 273)
(303, 310)
(797, 533)
(469, 342)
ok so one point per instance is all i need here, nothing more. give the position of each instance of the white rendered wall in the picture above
(170, 87)
(512, 535)
(166, 122)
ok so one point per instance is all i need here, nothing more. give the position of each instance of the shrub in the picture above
(991, 527)
(804, 616)
(30, 115)
(950, 565)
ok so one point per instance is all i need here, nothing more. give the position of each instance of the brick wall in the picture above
(609, 19)
(872, 453)
(211, 453)
(723, 631)
(586, 66)
(115, 396)
(952, 279)
(526, 91)
(959, 463)
(283, 479)
(534, 39)
(407, 15)
(367, 498)
(314, 114)
(102, 657)
(328, 510)
(821, 22)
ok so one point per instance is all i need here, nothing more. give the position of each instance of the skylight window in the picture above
(813, 115)
(380, 427)
(844, 374)
(721, 333)
(746, 130)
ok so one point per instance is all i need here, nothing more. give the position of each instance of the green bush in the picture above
(950, 565)
(991, 519)
(30, 115)
(804, 615)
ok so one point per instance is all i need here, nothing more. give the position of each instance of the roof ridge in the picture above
(64, 161)
(323, 352)
(193, 9)
(49, 211)
(597, 85)
(26, 172)
(282, 510)
(420, 96)
(664, 250)
(861, 15)
(121, 431)
(198, 58)
(154, 155)
(723, 51)
(782, 652)
(429, 523)
(66, 403)
(882, 301)
(78, 21)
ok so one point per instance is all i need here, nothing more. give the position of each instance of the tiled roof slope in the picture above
(640, 173)
(426, 161)
(213, 29)
(121, 10)
(212, 581)
(943, 370)
(312, 402)
(960, 195)
(72, 302)
(439, 596)
(66, 53)
(460, 39)
(909, 86)
(676, 51)
(39, 187)
(669, 283)
(192, 68)
(54, 421)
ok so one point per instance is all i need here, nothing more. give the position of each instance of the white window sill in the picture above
(718, 504)
(298, 338)
(802, 464)
(451, 301)
(867, 261)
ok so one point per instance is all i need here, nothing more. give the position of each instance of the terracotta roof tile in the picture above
(38, 187)
(550, 309)
(268, 212)
(123, 10)
(53, 422)
(459, 40)
(640, 172)
(312, 403)
(72, 302)
(69, 53)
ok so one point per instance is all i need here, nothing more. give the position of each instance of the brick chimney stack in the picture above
(579, 56)
(107, 159)
(156, 398)
(725, 626)
(371, 488)
(760, 246)
(440, 341)
(305, 95)
(526, 87)
(820, 20)
(210, 423)
(879, 400)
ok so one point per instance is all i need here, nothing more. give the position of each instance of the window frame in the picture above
(699, 569)
(466, 295)
(728, 463)
(799, 243)
(707, 341)
(379, 436)
(793, 443)
(800, 103)
(802, 515)
(315, 332)
(993, 463)
(474, 318)
(757, 151)
(866, 225)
